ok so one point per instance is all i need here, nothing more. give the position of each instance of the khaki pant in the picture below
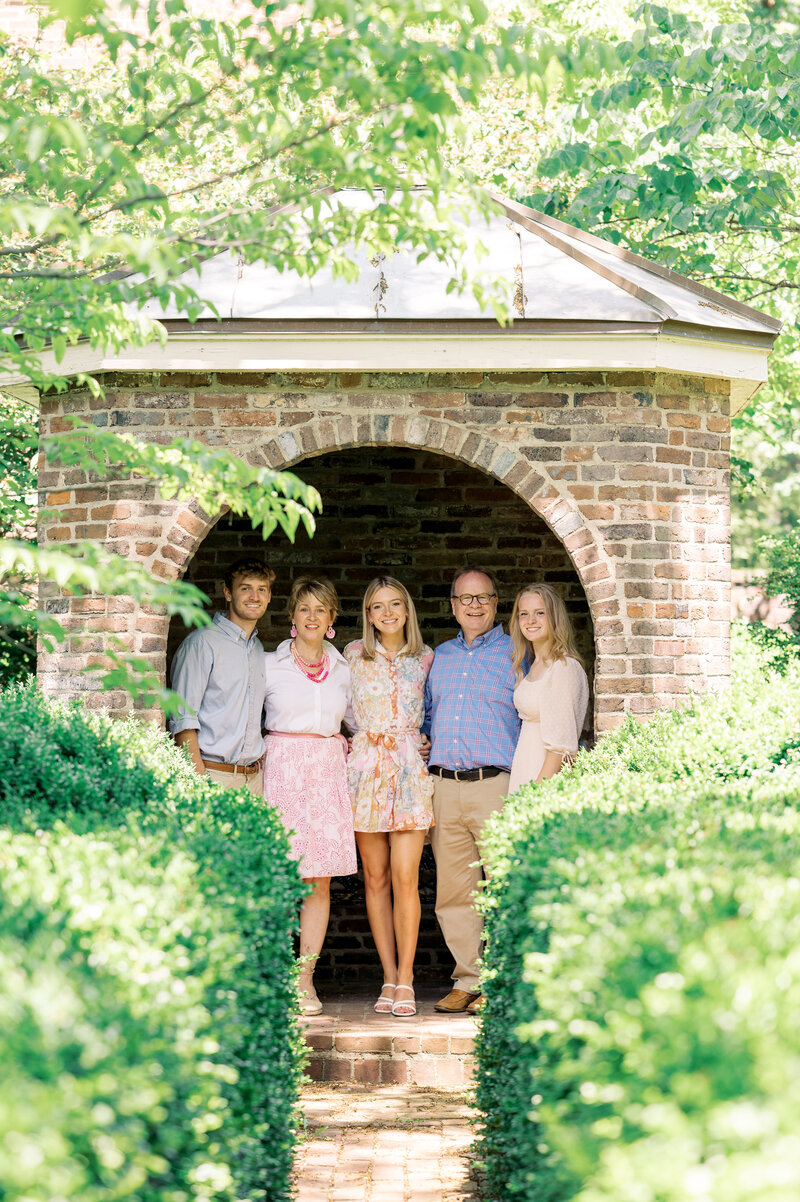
(460, 809)
(238, 780)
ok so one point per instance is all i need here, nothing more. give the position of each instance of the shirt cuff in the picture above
(176, 725)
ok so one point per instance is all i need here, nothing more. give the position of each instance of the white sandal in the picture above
(384, 1004)
(309, 1002)
(405, 1009)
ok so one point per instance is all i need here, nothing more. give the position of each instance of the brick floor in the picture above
(387, 1110)
(385, 1143)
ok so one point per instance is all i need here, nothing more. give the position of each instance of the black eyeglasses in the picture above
(468, 598)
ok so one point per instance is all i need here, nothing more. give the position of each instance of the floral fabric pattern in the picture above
(390, 788)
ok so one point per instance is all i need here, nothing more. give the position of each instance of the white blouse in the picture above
(296, 705)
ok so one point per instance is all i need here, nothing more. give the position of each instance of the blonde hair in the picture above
(319, 587)
(411, 631)
(562, 636)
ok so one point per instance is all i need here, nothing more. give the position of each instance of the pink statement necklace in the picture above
(316, 672)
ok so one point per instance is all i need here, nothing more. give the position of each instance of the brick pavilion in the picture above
(587, 443)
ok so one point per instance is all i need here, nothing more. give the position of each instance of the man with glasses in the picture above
(473, 728)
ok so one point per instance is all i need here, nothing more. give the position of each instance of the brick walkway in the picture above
(388, 1117)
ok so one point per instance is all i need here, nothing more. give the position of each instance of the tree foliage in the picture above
(18, 448)
(682, 146)
(675, 132)
(191, 135)
(162, 135)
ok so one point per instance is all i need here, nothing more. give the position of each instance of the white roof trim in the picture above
(196, 351)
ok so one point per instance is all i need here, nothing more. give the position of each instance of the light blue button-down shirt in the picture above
(219, 672)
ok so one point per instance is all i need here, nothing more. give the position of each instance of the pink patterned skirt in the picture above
(305, 779)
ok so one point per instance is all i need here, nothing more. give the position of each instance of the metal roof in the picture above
(550, 271)
(577, 301)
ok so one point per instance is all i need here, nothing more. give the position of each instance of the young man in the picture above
(219, 672)
(474, 729)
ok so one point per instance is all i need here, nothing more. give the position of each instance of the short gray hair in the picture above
(472, 567)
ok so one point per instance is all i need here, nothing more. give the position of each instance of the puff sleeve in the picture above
(564, 706)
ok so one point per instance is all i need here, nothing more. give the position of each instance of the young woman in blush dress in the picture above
(390, 788)
(305, 773)
(553, 697)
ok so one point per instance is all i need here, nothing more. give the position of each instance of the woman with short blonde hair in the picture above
(305, 770)
(390, 788)
(552, 697)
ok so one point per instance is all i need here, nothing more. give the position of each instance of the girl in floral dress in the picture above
(390, 788)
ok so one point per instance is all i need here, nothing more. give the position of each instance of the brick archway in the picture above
(534, 484)
(549, 503)
(414, 513)
(418, 514)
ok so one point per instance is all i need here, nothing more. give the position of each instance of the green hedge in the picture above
(147, 969)
(640, 1040)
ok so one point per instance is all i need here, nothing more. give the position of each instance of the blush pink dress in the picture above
(553, 711)
(305, 769)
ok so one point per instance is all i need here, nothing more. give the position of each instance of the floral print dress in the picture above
(390, 788)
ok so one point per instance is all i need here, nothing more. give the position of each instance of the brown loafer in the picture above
(456, 1002)
(476, 1005)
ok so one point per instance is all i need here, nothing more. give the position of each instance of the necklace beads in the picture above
(315, 672)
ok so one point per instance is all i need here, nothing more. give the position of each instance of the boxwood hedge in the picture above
(640, 1040)
(151, 1048)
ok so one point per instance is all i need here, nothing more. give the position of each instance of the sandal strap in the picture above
(407, 1008)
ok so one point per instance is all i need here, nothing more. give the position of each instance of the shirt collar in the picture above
(381, 650)
(229, 628)
(491, 636)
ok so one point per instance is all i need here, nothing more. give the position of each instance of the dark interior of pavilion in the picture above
(418, 516)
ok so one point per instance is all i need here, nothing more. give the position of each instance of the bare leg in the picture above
(374, 849)
(313, 925)
(406, 850)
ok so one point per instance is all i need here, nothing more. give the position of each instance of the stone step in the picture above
(350, 1044)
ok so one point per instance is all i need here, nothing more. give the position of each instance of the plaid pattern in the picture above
(469, 703)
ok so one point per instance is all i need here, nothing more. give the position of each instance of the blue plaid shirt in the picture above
(469, 703)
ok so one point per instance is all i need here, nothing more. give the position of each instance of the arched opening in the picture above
(417, 515)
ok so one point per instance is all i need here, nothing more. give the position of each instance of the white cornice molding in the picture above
(742, 362)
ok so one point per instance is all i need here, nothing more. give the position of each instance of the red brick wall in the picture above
(629, 471)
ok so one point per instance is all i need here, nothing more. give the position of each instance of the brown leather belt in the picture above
(245, 769)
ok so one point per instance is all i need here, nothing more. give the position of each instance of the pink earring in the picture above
(293, 632)
(330, 633)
